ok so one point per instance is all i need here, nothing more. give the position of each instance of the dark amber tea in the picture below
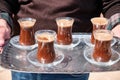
(102, 49)
(65, 37)
(98, 23)
(46, 52)
(64, 33)
(26, 31)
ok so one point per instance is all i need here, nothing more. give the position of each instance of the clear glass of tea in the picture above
(64, 33)
(26, 31)
(98, 23)
(45, 40)
(102, 49)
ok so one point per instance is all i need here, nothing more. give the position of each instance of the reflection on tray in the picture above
(74, 43)
(32, 59)
(73, 63)
(88, 56)
(15, 42)
(87, 41)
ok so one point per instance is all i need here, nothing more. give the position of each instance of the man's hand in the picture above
(4, 33)
(116, 31)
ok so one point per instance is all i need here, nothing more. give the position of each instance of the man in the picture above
(45, 11)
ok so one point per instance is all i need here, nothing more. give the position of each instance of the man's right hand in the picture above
(4, 33)
(116, 30)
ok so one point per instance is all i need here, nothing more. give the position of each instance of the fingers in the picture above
(2, 40)
(4, 29)
(1, 47)
(3, 37)
(116, 31)
(4, 33)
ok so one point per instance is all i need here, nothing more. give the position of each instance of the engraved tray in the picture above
(74, 62)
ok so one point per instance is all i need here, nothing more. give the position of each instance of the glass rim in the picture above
(68, 18)
(99, 18)
(51, 33)
(26, 19)
(64, 21)
(46, 30)
(103, 31)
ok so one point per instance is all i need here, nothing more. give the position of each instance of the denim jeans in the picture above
(36, 76)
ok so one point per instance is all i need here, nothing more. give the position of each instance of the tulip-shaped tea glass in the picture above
(64, 33)
(45, 55)
(102, 54)
(26, 31)
(26, 40)
(45, 40)
(64, 37)
(98, 23)
(102, 50)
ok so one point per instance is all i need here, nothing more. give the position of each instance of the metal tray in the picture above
(73, 63)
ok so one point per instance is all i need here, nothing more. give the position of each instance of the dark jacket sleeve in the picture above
(9, 6)
(111, 7)
(111, 10)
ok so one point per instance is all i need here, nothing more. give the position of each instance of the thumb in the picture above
(116, 30)
(4, 29)
(2, 37)
(2, 42)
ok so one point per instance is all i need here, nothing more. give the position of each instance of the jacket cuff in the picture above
(113, 21)
(6, 17)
